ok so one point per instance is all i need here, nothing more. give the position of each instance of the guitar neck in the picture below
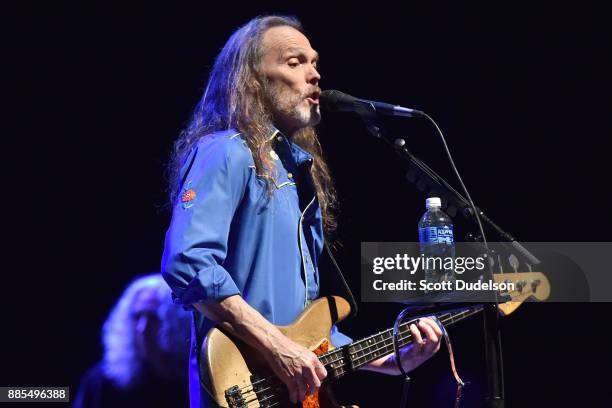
(351, 357)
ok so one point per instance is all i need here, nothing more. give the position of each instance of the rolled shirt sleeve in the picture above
(214, 178)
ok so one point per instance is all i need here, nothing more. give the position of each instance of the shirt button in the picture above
(279, 138)
(290, 175)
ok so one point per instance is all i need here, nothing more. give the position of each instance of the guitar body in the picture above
(230, 368)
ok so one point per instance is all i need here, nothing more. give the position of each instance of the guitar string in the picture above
(271, 404)
(402, 331)
(279, 387)
(340, 371)
(342, 357)
(374, 351)
(370, 346)
(358, 343)
(258, 400)
(385, 340)
(267, 378)
(385, 345)
(324, 355)
(335, 369)
(444, 318)
(390, 345)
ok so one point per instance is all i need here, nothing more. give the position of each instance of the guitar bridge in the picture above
(234, 397)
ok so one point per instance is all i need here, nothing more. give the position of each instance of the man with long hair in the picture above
(252, 203)
(146, 347)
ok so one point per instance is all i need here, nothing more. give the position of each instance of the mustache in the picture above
(310, 91)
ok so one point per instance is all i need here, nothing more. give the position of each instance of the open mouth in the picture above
(314, 97)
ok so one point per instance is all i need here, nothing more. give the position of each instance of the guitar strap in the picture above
(460, 383)
(335, 283)
(396, 348)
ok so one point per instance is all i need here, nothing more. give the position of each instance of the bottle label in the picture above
(436, 235)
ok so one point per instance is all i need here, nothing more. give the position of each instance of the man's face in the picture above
(146, 323)
(289, 67)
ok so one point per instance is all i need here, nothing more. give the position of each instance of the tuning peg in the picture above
(507, 283)
(514, 262)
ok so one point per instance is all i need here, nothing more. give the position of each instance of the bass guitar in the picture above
(237, 376)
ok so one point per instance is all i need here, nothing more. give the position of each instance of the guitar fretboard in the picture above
(351, 357)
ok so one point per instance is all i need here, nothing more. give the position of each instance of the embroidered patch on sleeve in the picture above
(188, 196)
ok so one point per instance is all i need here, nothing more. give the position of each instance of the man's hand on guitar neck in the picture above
(295, 365)
(426, 342)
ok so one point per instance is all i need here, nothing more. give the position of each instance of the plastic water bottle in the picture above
(436, 241)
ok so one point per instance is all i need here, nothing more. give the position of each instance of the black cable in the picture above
(467, 194)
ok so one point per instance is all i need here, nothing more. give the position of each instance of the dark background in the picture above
(521, 92)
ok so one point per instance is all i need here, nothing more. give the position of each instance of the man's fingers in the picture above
(301, 388)
(315, 379)
(435, 326)
(416, 334)
(293, 391)
(316, 375)
(430, 334)
(320, 370)
(312, 381)
(434, 342)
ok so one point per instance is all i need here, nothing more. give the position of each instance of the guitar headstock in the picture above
(527, 285)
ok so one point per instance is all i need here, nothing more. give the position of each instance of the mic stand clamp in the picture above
(370, 119)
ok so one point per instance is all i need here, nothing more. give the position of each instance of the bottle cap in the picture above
(433, 202)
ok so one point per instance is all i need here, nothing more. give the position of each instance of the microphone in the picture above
(336, 101)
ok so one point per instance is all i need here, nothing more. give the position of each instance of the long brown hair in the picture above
(235, 98)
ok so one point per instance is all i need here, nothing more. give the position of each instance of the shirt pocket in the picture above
(284, 180)
(285, 192)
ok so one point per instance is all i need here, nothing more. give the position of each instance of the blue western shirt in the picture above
(227, 236)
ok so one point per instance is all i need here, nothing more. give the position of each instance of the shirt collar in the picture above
(299, 155)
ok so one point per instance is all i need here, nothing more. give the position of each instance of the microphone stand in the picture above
(424, 176)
